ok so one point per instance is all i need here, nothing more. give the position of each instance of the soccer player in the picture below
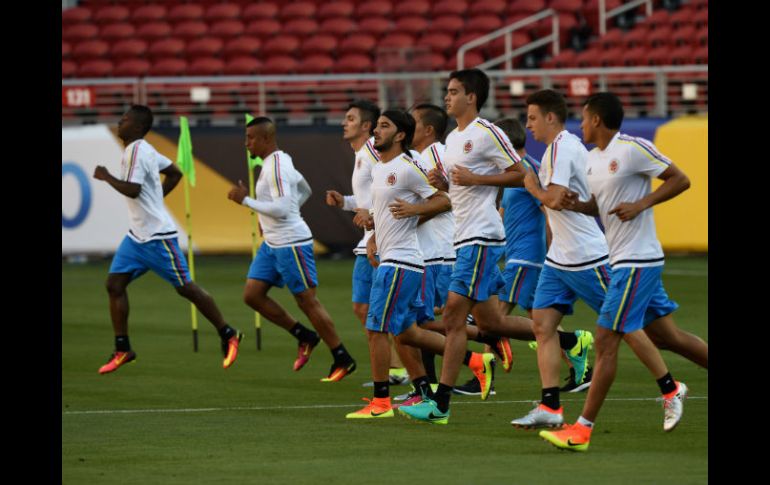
(397, 178)
(286, 257)
(477, 148)
(357, 129)
(151, 242)
(620, 171)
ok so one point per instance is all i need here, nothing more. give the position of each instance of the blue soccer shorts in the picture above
(635, 298)
(442, 284)
(476, 275)
(293, 266)
(520, 283)
(163, 256)
(362, 279)
(426, 297)
(392, 304)
(557, 288)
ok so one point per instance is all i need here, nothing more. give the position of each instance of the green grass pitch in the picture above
(176, 417)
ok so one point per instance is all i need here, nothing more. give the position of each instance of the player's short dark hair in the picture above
(474, 81)
(515, 131)
(369, 112)
(404, 122)
(434, 116)
(608, 107)
(259, 120)
(143, 115)
(549, 101)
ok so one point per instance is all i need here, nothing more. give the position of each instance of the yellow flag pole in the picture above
(191, 258)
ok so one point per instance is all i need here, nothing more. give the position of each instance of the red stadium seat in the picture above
(90, 49)
(702, 36)
(222, 11)
(411, 25)
(297, 10)
(397, 40)
(204, 47)
(227, 28)
(472, 59)
(659, 56)
(132, 68)
(319, 44)
(259, 11)
(335, 9)
(658, 19)
(436, 61)
(95, 68)
(373, 9)
(153, 30)
(353, 63)
(412, 8)
(682, 17)
(375, 26)
(701, 18)
(241, 47)
(449, 7)
(315, 64)
(68, 69)
(111, 14)
(192, 29)
(148, 13)
(264, 28)
(185, 12)
(489, 7)
(563, 59)
(77, 32)
(437, 41)
(571, 6)
(242, 66)
(128, 48)
(527, 7)
(338, 26)
(280, 64)
(684, 35)
(66, 50)
(636, 37)
(301, 27)
(636, 56)
(613, 38)
(464, 39)
(170, 47)
(360, 43)
(205, 66)
(483, 23)
(701, 55)
(661, 36)
(450, 24)
(168, 67)
(611, 57)
(588, 58)
(682, 56)
(281, 44)
(75, 15)
(497, 46)
(114, 32)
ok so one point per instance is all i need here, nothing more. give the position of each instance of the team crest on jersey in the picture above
(468, 146)
(391, 180)
(613, 166)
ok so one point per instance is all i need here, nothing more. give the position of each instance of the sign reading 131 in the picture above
(80, 97)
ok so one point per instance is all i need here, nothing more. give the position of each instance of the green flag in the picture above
(184, 156)
(256, 161)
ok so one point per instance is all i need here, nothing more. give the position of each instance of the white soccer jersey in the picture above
(279, 178)
(366, 157)
(484, 149)
(439, 231)
(397, 243)
(623, 172)
(577, 242)
(148, 218)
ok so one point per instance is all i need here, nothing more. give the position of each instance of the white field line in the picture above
(685, 272)
(321, 406)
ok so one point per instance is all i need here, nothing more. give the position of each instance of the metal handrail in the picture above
(604, 16)
(506, 31)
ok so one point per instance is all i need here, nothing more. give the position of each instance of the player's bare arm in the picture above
(172, 177)
(435, 204)
(674, 183)
(334, 198)
(363, 219)
(437, 179)
(371, 251)
(555, 197)
(129, 189)
(238, 193)
(511, 177)
(588, 207)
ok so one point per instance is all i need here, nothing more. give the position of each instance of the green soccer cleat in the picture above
(578, 355)
(426, 411)
(575, 437)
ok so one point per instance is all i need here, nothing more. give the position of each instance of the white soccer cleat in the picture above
(673, 407)
(541, 417)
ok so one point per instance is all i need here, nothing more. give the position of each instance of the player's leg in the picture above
(667, 336)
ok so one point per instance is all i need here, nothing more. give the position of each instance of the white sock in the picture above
(585, 422)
